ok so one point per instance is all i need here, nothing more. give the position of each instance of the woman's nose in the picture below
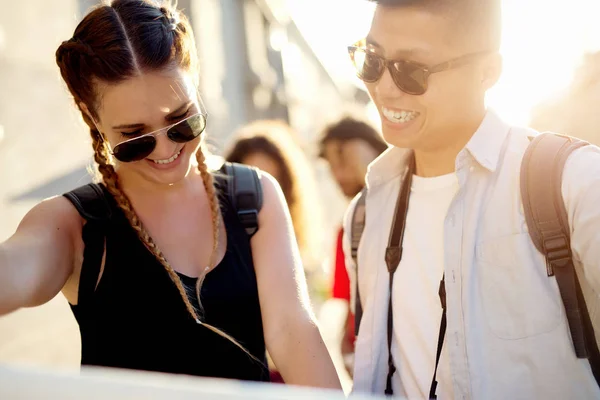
(165, 148)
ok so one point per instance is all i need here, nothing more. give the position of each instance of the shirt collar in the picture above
(487, 142)
(485, 147)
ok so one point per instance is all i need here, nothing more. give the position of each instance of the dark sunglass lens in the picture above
(368, 66)
(188, 129)
(410, 77)
(135, 150)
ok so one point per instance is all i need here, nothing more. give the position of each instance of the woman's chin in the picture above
(168, 176)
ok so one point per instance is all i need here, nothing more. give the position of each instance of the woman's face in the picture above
(265, 163)
(144, 104)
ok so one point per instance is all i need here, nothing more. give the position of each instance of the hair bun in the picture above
(171, 18)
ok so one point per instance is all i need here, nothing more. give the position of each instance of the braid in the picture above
(214, 206)
(215, 213)
(78, 46)
(214, 203)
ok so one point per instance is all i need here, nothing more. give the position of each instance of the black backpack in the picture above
(548, 225)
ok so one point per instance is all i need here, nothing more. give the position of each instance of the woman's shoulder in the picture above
(91, 201)
(57, 208)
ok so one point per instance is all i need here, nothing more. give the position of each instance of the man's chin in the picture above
(351, 193)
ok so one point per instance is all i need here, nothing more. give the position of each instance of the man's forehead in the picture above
(408, 32)
(397, 50)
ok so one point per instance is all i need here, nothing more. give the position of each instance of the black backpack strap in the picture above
(393, 256)
(547, 220)
(357, 227)
(245, 194)
(92, 204)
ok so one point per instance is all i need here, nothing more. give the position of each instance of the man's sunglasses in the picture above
(409, 76)
(142, 146)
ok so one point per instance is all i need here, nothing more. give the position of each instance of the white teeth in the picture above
(399, 116)
(169, 160)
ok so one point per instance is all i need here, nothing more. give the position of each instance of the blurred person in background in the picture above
(349, 146)
(470, 290)
(158, 270)
(270, 146)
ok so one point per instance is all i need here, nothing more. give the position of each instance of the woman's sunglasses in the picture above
(142, 146)
(409, 76)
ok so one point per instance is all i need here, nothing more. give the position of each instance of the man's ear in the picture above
(491, 71)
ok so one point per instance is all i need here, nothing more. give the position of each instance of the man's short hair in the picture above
(349, 128)
(475, 19)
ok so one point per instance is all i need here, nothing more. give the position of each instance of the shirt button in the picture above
(471, 169)
(451, 219)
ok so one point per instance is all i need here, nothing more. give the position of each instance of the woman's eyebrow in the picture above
(128, 126)
(178, 111)
(173, 114)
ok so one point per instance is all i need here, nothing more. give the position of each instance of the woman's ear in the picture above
(84, 108)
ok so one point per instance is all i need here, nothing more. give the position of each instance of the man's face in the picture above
(454, 98)
(348, 162)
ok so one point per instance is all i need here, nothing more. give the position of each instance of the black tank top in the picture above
(136, 318)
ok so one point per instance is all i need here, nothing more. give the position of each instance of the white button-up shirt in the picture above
(507, 335)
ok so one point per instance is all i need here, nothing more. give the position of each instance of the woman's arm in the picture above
(38, 259)
(291, 334)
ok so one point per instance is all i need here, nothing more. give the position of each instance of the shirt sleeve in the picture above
(581, 194)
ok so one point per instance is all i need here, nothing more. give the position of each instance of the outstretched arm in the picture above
(37, 260)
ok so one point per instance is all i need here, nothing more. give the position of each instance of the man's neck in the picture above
(432, 164)
(441, 160)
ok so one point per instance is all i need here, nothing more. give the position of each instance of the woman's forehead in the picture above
(142, 97)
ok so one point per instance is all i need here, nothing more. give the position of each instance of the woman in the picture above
(270, 146)
(169, 239)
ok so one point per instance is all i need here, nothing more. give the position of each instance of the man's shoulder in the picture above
(582, 170)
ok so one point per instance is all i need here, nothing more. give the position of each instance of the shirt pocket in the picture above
(519, 299)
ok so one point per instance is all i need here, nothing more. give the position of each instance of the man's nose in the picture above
(386, 88)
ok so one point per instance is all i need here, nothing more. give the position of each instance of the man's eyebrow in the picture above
(172, 115)
(371, 42)
(407, 54)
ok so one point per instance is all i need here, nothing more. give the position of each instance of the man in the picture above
(348, 146)
(507, 335)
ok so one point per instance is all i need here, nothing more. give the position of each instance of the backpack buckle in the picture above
(557, 250)
(249, 220)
